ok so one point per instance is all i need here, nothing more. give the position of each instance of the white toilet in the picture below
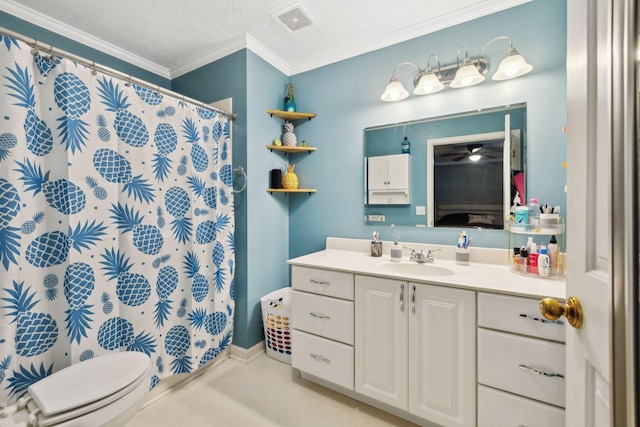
(106, 391)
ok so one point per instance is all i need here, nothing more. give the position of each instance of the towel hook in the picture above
(35, 47)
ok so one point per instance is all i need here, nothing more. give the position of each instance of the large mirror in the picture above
(460, 170)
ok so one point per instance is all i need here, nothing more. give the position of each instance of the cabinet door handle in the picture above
(320, 358)
(539, 372)
(541, 319)
(413, 298)
(319, 315)
(320, 282)
(402, 297)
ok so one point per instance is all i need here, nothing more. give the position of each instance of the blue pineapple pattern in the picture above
(79, 282)
(116, 229)
(61, 194)
(72, 97)
(36, 131)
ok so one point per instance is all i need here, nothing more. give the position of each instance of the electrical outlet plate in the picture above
(421, 210)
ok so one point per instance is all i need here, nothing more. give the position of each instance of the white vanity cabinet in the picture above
(322, 320)
(415, 348)
(521, 363)
(388, 179)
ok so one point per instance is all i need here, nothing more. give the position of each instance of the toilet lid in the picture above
(86, 382)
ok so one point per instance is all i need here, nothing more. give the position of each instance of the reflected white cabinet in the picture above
(388, 179)
(415, 348)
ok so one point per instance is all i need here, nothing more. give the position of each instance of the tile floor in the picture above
(262, 393)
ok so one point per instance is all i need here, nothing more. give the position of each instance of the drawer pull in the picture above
(402, 298)
(541, 319)
(538, 372)
(320, 358)
(320, 282)
(319, 315)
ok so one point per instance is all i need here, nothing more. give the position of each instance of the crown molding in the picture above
(55, 26)
(234, 45)
(455, 18)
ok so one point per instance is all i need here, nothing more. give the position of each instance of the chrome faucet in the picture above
(420, 257)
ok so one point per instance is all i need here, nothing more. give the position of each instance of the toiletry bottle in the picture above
(543, 262)
(534, 215)
(406, 146)
(515, 262)
(533, 259)
(396, 251)
(529, 243)
(552, 251)
(524, 260)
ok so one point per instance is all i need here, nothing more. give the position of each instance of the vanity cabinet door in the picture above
(381, 339)
(442, 354)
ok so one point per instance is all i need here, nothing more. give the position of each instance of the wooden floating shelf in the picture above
(290, 149)
(288, 115)
(298, 190)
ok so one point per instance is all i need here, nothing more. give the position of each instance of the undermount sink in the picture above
(416, 269)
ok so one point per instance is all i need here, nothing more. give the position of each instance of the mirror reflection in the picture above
(460, 170)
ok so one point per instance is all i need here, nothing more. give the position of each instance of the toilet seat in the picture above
(88, 386)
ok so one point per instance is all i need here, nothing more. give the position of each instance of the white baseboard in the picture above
(247, 355)
(168, 385)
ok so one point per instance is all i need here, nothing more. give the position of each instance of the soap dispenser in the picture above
(396, 251)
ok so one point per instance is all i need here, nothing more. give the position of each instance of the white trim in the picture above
(234, 45)
(172, 383)
(247, 355)
(55, 26)
(246, 41)
(427, 27)
(264, 53)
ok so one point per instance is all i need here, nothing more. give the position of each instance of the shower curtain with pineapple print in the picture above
(116, 222)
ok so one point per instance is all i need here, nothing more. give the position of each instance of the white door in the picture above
(589, 209)
(442, 354)
(381, 339)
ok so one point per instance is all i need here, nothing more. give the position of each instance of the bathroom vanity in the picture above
(438, 344)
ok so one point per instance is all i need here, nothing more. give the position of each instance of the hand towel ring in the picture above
(240, 171)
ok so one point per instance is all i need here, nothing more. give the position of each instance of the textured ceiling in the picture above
(171, 37)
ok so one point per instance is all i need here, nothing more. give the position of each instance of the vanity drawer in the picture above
(499, 409)
(328, 317)
(519, 315)
(326, 359)
(501, 355)
(324, 282)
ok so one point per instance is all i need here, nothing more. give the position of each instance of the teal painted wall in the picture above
(346, 96)
(262, 227)
(47, 37)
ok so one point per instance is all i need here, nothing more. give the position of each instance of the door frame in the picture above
(624, 193)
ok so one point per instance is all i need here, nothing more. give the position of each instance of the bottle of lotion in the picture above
(543, 262)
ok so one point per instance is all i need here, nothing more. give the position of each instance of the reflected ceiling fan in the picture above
(473, 152)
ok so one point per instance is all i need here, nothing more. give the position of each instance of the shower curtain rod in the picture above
(110, 71)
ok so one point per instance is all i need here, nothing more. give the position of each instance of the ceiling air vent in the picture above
(292, 18)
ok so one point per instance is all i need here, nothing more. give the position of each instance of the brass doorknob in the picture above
(572, 310)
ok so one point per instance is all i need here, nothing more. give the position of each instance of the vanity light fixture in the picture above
(395, 90)
(459, 75)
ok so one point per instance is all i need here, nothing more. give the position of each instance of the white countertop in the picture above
(491, 277)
